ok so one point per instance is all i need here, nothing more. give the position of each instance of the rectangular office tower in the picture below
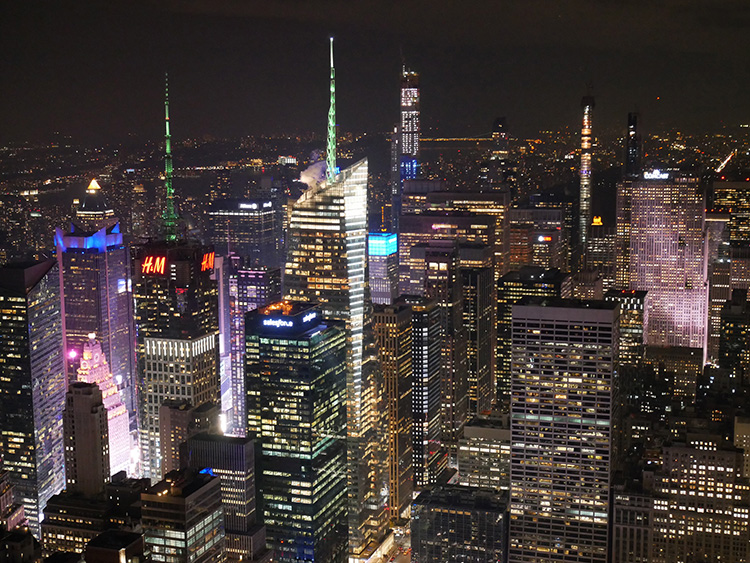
(327, 264)
(177, 335)
(32, 384)
(562, 429)
(296, 411)
(248, 228)
(97, 298)
(382, 251)
(667, 247)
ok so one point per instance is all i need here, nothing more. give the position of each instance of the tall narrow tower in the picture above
(584, 218)
(169, 215)
(406, 165)
(331, 141)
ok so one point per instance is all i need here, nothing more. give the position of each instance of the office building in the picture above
(454, 523)
(435, 275)
(564, 399)
(429, 459)
(97, 298)
(679, 367)
(584, 212)
(526, 282)
(477, 278)
(93, 368)
(668, 257)
(734, 346)
(115, 546)
(601, 252)
(588, 285)
(11, 511)
(405, 144)
(248, 228)
(71, 520)
(86, 434)
(32, 384)
(296, 381)
(233, 461)
(183, 519)
(327, 264)
(633, 148)
(382, 253)
(537, 237)
(426, 227)
(484, 453)
(178, 421)
(633, 320)
(393, 331)
(93, 213)
(177, 335)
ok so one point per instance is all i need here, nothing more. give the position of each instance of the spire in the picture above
(331, 144)
(168, 216)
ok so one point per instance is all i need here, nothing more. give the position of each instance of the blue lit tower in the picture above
(32, 384)
(97, 298)
(296, 375)
(584, 219)
(382, 251)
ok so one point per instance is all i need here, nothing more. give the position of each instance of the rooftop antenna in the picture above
(331, 144)
(169, 216)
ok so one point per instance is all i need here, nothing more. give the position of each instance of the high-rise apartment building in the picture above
(32, 384)
(393, 330)
(183, 519)
(93, 368)
(97, 298)
(563, 416)
(327, 264)
(526, 282)
(382, 253)
(86, 434)
(233, 461)
(405, 151)
(584, 213)
(429, 459)
(668, 257)
(296, 382)
(248, 228)
(177, 335)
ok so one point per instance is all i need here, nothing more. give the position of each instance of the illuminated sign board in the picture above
(544, 238)
(309, 316)
(153, 265)
(278, 323)
(655, 175)
(208, 261)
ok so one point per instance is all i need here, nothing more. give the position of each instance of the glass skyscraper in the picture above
(327, 264)
(32, 384)
(296, 411)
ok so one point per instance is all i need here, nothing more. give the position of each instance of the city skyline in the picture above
(530, 63)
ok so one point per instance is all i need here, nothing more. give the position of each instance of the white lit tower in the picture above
(406, 144)
(327, 264)
(584, 218)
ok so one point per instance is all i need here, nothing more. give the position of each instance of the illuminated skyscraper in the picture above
(327, 264)
(633, 148)
(296, 411)
(406, 165)
(668, 258)
(393, 328)
(633, 320)
(94, 214)
(563, 413)
(95, 369)
(32, 384)
(97, 298)
(584, 219)
(382, 251)
(248, 228)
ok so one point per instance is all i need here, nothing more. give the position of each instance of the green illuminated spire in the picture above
(169, 216)
(331, 144)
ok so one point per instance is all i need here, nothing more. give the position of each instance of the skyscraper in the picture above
(32, 384)
(563, 413)
(97, 298)
(94, 214)
(406, 145)
(393, 328)
(177, 329)
(633, 148)
(94, 368)
(584, 218)
(327, 263)
(668, 257)
(248, 228)
(86, 440)
(296, 379)
(382, 251)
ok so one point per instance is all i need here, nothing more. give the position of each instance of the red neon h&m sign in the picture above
(208, 261)
(153, 265)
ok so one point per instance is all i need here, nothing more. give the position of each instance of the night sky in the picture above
(239, 67)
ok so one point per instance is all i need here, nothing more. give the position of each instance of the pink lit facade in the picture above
(95, 369)
(668, 258)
